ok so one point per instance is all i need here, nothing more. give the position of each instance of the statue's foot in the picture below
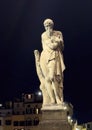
(45, 104)
(52, 102)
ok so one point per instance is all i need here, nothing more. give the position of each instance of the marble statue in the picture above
(50, 64)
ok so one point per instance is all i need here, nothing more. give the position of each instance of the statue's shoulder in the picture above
(55, 32)
(43, 34)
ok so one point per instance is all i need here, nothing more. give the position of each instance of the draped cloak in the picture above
(47, 56)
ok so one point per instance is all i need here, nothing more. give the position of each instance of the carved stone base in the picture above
(55, 119)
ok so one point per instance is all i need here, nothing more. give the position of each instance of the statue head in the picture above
(48, 22)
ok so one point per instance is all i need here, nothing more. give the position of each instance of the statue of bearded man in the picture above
(50, 64)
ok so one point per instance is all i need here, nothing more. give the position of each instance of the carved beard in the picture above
(49, 32)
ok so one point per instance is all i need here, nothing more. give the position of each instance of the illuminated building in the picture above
(23, 114)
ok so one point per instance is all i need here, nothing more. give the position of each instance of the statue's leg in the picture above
(61, 91)
(57, 92)
(49, 88)
(46, 98)
(55, 84)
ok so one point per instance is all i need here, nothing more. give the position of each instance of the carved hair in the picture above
(48, 22)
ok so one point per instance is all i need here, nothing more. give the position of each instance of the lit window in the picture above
(37, 111)
(29, 96)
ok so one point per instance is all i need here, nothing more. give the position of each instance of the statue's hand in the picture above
(36, 52)
(37, 55)
(56, 39)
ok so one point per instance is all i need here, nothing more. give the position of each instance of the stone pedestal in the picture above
(54, 118)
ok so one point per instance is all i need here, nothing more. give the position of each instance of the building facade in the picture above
(23, 114)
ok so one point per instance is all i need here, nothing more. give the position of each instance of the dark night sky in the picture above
(21, 24)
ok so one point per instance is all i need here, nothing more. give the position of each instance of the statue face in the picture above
(49, 29)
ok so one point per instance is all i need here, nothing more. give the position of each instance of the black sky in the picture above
(21, 24)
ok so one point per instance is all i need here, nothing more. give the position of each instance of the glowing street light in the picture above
(71, 120)
(1, 105)
(65, 107)
(77, 129)
(69, 117)
(39, 93)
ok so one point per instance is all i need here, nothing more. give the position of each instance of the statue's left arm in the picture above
(60, 40)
